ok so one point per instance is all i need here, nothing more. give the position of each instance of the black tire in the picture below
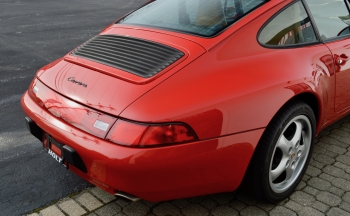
(280, 159)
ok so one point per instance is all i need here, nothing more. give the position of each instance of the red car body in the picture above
(226, 91)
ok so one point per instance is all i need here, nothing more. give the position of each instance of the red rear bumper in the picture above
(154, 174)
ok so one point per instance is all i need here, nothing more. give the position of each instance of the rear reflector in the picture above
(101, 125)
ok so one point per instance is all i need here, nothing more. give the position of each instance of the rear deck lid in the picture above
(111, 71)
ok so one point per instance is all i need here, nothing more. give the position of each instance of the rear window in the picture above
(199, 17)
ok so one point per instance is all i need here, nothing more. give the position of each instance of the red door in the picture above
(341, 53)
(332, 21)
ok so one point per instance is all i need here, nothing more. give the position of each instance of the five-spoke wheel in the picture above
(283, 153)
(290, 153)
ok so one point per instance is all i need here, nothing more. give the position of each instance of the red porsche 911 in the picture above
(182, 98)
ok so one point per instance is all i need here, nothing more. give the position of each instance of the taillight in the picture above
(147, 135)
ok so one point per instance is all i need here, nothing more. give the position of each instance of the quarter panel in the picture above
(244, 81)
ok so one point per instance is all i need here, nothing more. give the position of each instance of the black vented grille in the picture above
(140, 57)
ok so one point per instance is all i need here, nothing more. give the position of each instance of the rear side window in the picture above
(200, 17)
(290, 27)
(331, 17)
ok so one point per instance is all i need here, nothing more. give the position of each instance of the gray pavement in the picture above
(324, 190)
(32, 34)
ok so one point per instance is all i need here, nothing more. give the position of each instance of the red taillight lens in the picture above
(142, 135)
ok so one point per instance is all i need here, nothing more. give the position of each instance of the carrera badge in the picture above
(72, 80)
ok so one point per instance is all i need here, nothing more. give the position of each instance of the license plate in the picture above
(52, 146)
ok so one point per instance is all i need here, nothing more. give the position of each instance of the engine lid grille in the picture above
(136, 56)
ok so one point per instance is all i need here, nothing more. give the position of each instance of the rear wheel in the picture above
(283, 153)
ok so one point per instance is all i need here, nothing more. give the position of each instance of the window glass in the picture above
(331, 17)
(201, 17)
(291, 26)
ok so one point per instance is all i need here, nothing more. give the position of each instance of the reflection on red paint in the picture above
(71, 112)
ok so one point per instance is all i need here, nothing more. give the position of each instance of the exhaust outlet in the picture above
(127, 196)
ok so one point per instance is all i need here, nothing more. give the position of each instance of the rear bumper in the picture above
(69, 154)
(154, 174)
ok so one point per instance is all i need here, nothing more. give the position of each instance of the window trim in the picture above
(292, 46)
(347, 3)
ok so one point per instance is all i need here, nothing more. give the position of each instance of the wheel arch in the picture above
(314, 102)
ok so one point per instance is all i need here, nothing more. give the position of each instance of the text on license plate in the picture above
(55, 156)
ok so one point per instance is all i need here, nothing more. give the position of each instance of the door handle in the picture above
(341, 60)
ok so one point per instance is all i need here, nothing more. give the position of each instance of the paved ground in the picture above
(32, 34)
(324, 190)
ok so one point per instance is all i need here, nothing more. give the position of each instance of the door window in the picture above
(331, 17)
